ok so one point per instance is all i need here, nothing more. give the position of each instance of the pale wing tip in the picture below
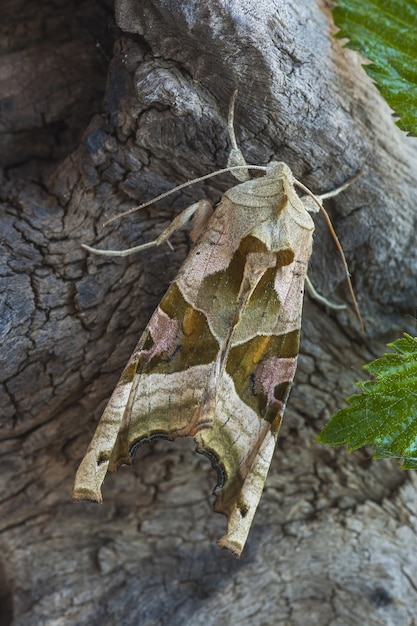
(238, 528)
(234, 547)
(88, 479)
(86, 494)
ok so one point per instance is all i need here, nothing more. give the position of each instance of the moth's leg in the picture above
(313, 293)
(235, 157)
(200, 208)
(311, 205)
(335, 192)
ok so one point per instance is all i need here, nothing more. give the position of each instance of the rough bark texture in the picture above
(334, 538)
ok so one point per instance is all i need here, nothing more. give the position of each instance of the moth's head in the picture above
(279, 169)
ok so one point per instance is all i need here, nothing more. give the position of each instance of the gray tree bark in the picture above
(333, 541)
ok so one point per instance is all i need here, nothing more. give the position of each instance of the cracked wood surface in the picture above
(334, 536)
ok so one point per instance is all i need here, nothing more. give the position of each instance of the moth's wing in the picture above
(157, 394)
(163, 383)
(251, 397)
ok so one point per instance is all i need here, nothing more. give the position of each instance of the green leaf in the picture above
(385, 413)
(385, 31)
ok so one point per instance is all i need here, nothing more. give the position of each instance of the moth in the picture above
(218, 356)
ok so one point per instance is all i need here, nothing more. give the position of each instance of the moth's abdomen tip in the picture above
(86, 495)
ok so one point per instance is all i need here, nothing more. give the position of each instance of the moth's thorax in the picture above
(264, 192)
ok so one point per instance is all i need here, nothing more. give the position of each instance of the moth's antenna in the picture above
(186, 184)
(338, 246)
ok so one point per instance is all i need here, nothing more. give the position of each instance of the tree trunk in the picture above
(333, 540)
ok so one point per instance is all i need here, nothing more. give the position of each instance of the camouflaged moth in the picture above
(217, 359)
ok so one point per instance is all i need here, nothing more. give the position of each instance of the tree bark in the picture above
(334, 538)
